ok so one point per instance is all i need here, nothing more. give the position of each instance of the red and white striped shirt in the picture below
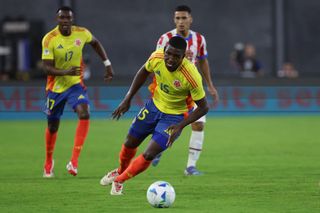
(196, 48)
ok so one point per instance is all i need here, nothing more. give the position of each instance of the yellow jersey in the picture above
(172, 89)
(66, 51)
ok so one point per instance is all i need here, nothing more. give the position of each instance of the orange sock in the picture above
(137, 166)
(50, 142)
(81, 134)
(125, 157)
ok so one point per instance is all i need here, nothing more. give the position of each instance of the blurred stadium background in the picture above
(281, 30)
(266, 160)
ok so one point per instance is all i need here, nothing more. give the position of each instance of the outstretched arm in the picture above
(98, 48)
(137, 82)
(201, 110)
(205, 70)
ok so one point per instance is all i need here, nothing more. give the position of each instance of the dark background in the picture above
(129, 30)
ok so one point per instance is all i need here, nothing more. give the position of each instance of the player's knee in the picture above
(53, 129)
(149, 156)
(197, 126)
(83, 115)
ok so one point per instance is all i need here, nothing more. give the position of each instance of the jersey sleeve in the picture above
(162, 42)
(149, 64)
(202, 53)
(154, 60)
(197, 91)
(88, 35)
(47, 48)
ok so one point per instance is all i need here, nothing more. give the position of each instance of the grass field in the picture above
(251, 165)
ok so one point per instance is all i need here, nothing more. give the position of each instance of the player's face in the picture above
(173, 58)
(183, 21)
(65, 20)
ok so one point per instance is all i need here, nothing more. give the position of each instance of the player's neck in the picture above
(184, 34)
(65, 32)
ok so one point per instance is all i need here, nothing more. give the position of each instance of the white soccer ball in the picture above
(161, 194)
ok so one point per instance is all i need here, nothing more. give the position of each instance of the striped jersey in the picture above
(173, 88)
(66, 51)
(196, 48)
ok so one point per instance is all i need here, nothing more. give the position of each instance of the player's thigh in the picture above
(55, 104)
(144, 123)
(161, 135)
(133, 142)
(78, 95)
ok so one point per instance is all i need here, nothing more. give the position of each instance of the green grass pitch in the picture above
(267, 164)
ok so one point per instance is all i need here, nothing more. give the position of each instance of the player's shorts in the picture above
(202, 119)
(55, 102)
(150, 120)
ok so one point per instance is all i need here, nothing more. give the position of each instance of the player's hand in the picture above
(121, 109)
(173, 131)
(213, 92)
(108, 75)
(73, 71)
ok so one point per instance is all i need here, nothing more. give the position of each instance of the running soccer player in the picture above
(197, 53)
(164, 116)
(62, 62)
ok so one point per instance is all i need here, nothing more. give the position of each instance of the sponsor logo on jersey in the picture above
(81, 97)
(60, 46)
(158, 72)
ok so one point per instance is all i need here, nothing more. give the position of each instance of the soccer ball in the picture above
(161, 194)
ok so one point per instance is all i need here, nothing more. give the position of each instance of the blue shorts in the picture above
(151, 120)
(55, 103)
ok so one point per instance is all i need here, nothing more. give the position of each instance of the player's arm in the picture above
(201, 110)
(98, 48)
(49, 69)
(205, 70)
(139, 79)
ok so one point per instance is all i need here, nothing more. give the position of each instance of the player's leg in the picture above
(156, 160)
(50, 139)
(157, 144)
(195, 146)
(138, 165)
(54, 110)
(142, 125)
(78, 99)
(127, 153)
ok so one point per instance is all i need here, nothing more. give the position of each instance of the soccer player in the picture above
(197, 53)
(164, 116)
(62, 62)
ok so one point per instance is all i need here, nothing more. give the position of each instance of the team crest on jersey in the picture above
(177, 83)
(77, 42)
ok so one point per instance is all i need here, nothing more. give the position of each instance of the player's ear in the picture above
(191, 19)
